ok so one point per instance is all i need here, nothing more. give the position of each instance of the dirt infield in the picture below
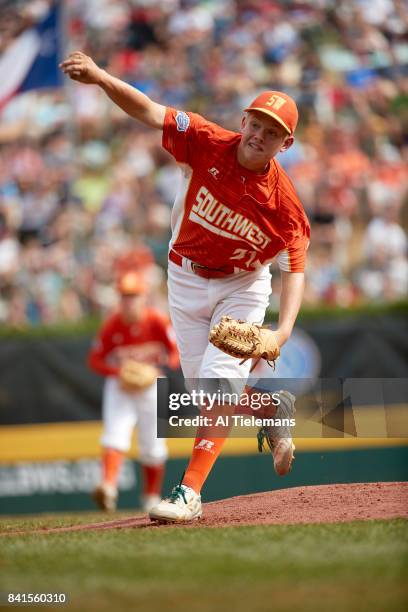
(317, 504)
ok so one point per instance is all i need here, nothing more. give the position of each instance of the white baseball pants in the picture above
(196, 304)
(121, 412)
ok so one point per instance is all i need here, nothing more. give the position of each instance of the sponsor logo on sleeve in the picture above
(182, 121)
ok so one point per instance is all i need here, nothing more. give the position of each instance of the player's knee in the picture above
(153, 456)
(117, 442)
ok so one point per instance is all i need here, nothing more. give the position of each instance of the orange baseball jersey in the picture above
(148, 340)
(225, 215)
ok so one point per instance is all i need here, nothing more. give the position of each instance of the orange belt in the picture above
(200, 270)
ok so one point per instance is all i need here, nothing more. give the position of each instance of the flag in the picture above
(31, 61)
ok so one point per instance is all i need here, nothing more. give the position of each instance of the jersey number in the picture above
(250, 256)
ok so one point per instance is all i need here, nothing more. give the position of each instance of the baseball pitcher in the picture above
(236, 210)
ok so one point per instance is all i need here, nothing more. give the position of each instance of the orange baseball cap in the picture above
(279, 106)
(131, 283)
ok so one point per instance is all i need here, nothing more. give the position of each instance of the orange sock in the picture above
(205, 453)
(111, 462)
(152, 479)
(207, 446)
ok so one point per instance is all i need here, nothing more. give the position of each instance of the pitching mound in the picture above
(319, 504)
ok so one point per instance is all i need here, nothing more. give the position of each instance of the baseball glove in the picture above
(136, 376)
(244, 340)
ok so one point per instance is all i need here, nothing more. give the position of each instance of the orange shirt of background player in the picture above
(149, 340)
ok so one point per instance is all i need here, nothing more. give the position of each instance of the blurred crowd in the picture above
(83, 188)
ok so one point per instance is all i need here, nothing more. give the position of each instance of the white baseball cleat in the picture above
(183, 504)
(149, 502)
(278, 437)
(106, 496)
(283, 456)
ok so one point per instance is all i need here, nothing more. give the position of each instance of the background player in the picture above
(134, 332)
(235, 211)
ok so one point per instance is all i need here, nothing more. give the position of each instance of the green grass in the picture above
(309, 568)
(9, 524)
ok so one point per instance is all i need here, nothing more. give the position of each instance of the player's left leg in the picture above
(190, 314)
(152, 450)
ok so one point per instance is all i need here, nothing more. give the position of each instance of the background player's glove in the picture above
(244, 340)
(136, 376)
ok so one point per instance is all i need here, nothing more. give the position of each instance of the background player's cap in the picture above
(131, 283)
(279, 106)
